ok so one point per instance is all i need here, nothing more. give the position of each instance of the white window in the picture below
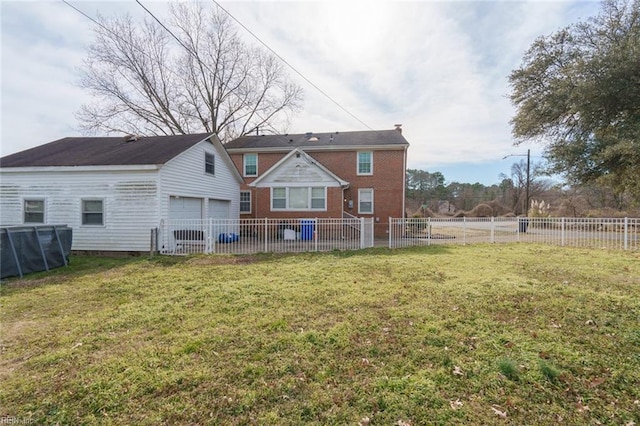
(33, 211)
(318, 198)
(93, 212)
(365, 163)
(250, 166)
(299, 198)
(365, 201)
(209, 163)
(245, 201)
(279, 198)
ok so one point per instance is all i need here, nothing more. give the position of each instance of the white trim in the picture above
(358, 172)
(286, 199)
(104, 213)
(310, 159)
(244, 164)
(44, 210)
(206, 153)
(250, 202)
(361, 190)
(215, 142)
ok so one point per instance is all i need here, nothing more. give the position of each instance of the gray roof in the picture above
(367, 138)
(103, 151)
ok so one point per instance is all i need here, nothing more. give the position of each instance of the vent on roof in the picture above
(313, 139)
(131, 138)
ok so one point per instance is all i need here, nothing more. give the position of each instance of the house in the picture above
(319, 175)
(112, 191)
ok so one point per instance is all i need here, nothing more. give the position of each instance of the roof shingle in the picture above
(103, 151)
(306, 140)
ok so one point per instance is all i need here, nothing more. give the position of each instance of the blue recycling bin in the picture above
(307, 228)
(228, 237)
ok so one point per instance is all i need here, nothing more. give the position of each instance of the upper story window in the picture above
(209, 163)
(33, 211)
(245, 201)
(250, 166)
(365, 163)
(93, 212)
(299, 198)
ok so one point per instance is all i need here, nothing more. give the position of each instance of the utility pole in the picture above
(528, 184)
(526, 211)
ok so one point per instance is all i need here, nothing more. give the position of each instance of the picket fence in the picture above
(247, 236)
(610, 233)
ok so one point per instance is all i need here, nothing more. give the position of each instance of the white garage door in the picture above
(219, 209)
(185, 208)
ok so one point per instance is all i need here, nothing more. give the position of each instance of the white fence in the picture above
(622, 233)
(246, 236)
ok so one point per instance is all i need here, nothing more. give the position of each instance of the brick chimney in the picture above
(398, 127)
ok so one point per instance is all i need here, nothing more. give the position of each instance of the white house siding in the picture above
(298, 171)
(184, 176)
(130, 204)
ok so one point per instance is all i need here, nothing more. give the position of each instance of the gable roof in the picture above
(305, 158)
(104, 151)
(367, 138)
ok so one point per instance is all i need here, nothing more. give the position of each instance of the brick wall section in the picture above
(387, 181)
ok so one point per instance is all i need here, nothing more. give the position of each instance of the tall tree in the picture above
(578, 91)
(208, 80)
(424, 186)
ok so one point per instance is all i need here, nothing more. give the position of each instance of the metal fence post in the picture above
(265, 234)
(464, 230)
(13, 251)
(493, 230)
(208, 235)
(390, 230)
(44, 256)
(626, 233)
(64, 258)
(315, 232)
(562, 233)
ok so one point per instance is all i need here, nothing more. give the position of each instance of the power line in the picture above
(190, 51)
(196, 57)
(291, 66)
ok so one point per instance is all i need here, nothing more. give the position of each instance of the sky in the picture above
(439, 68)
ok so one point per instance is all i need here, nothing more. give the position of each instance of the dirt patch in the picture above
(11, 330)
(27, 282)
(224, 260)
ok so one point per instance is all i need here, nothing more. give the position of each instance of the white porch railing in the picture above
(611, 233)
(246, 236)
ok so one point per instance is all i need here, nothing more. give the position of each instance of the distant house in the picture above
(320, 175)
(112, 191)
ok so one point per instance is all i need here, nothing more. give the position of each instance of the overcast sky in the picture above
(439, 68)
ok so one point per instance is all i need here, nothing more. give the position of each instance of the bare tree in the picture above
(208, 80)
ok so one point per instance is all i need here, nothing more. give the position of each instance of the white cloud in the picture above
(439, 68)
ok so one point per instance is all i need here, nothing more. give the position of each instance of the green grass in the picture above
(433, 335)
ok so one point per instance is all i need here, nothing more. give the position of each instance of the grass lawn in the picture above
(483, 334)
